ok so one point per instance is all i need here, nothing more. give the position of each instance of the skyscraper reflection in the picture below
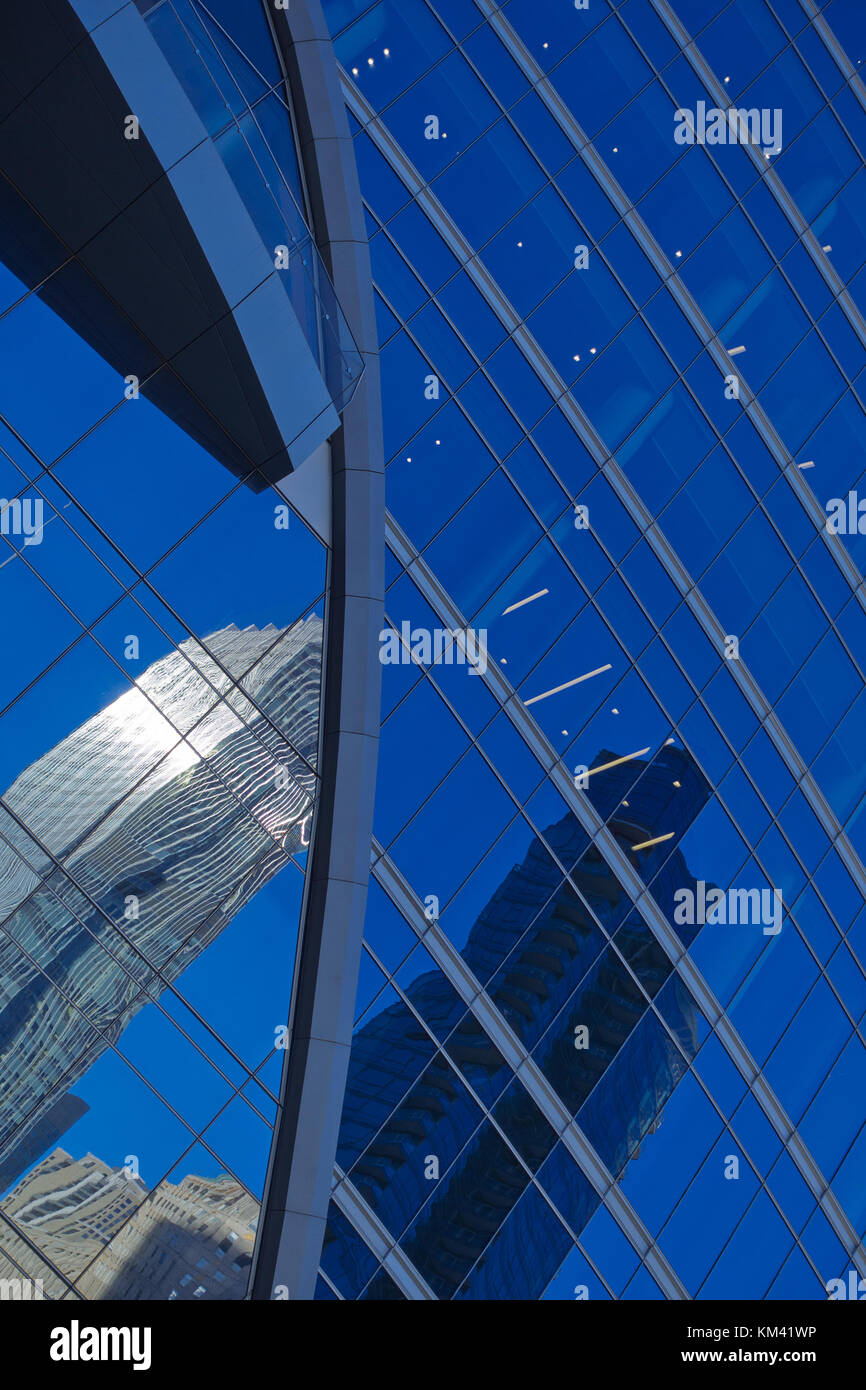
(124, 852)
(545, 964)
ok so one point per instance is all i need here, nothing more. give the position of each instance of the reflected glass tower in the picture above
(155, 843)
(458, 1199)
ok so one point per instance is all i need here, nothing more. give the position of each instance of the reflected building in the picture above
(68, 1209)
(189, 1240)
(41, 1137)
(101, 1228)
(153, 845)
(546, 966)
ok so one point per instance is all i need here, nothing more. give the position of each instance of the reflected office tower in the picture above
(538, 951)
(188, 1240)
(150, 827)
(41, 1137)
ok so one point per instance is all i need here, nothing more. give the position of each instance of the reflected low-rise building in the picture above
(93, 1224)
(192, 1239)
(68, 1209)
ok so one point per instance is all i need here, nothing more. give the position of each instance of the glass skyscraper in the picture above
(432, 862)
